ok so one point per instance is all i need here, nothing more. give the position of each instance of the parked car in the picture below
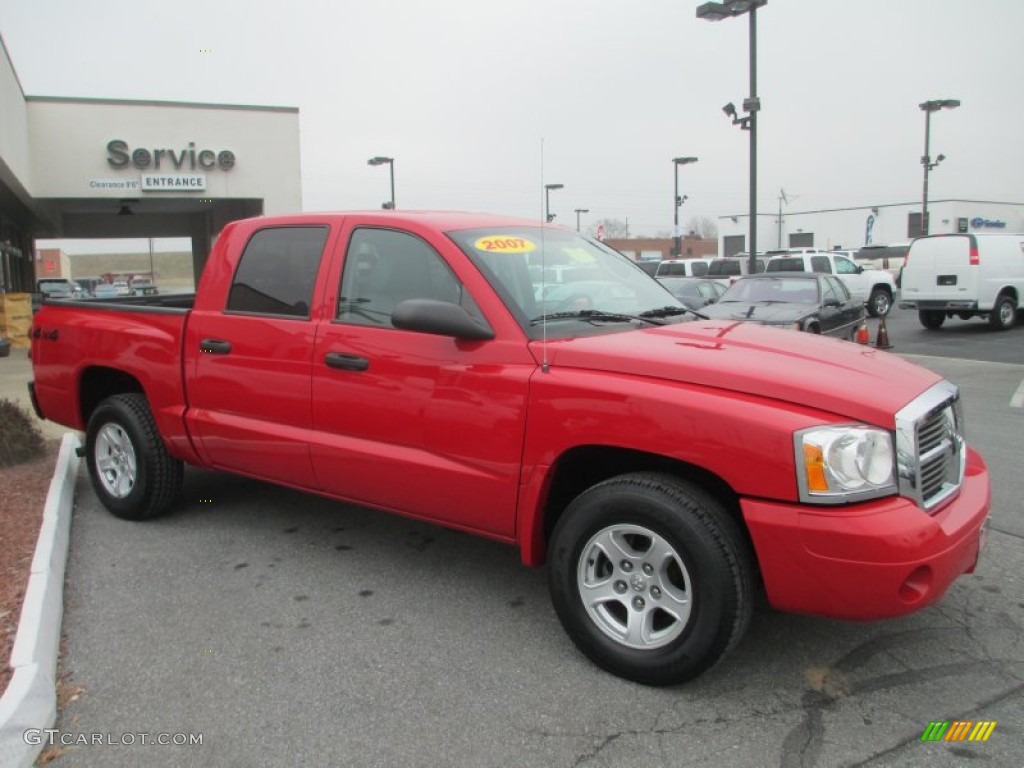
(105, 291)
(804, 301)
(726, 269)
(56, 288)
(143, 286)
(873, 287)
(52, 288)
(967, 276)
(649, 266)
(682, 268)
(123, 288)
(695, 292)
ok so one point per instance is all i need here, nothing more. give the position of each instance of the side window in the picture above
(845, 266)
(820, 264)
(277, 272)
(384, 267)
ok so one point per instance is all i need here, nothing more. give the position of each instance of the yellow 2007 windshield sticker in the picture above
(504, 244)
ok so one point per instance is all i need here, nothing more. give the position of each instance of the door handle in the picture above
(215, 346)
(345, 362)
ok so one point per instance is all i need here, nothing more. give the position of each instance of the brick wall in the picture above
(690, 247)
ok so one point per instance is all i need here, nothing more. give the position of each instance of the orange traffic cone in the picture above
(882, 340)
(862, 334)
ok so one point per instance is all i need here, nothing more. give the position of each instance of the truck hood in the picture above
(850, 380)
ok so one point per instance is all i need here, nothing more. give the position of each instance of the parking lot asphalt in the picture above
(284, 629)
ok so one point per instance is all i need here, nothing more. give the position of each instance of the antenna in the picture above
(545, 367)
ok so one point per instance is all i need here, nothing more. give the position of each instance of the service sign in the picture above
(173, 182)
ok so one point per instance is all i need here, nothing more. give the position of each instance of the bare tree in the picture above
(613, 228)
(703, 226)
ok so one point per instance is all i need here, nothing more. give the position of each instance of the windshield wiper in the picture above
(594, 316)
(672, 312)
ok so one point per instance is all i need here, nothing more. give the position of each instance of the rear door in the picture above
(939, 267)
(251, 359)
(424, 424)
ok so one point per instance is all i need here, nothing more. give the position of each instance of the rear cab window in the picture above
(276, 274)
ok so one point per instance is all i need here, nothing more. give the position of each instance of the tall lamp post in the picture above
(677, 201)
(928, 107)
(578, 212)
(751, 105)
(548, 215)
(390, 161)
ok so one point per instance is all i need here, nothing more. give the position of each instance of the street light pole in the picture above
(578, 212)
(390, 161)
(548, 215)
(926, 161)
(677, 201)
(713, 11)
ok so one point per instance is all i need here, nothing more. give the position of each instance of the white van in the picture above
(682, 268)
(965, 276)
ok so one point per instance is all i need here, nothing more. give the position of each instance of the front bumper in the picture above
(868, 561)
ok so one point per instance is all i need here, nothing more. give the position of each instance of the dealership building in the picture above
(101, 168)
(866, 225)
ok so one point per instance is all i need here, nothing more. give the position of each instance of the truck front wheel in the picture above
(129, 467)
(880, 302)
(651, 578)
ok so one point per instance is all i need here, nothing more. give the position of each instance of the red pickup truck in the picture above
(666, 467)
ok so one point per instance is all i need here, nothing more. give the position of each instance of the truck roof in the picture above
(443, 220)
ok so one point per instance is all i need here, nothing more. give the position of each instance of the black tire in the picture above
(1003, 314)
(131, 472)
(879, 302)
(695, 599)
(931, 318)
(813, 328)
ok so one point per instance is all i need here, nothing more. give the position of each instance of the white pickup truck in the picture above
(874, 287)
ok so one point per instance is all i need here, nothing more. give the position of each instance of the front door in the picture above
(423, 424)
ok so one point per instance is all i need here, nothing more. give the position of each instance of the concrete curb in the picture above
(30, 701)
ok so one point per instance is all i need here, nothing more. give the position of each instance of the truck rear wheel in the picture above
(1003, 314)
(651, 578)
(931, 318)
(129, 467)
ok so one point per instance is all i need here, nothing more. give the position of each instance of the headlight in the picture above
(839, 464)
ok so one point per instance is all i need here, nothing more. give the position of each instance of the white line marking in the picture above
(1017, 401)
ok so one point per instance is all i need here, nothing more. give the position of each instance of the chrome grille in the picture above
(930, 446)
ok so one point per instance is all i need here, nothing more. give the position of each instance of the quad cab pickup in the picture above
(665, 467)
(874, 287)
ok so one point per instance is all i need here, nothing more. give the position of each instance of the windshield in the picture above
(790, 290)
(559, 279)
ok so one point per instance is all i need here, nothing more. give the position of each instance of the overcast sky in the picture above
(465, 93)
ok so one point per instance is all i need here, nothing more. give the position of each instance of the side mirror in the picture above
(831, 303)
(859, 269)
(439, 317)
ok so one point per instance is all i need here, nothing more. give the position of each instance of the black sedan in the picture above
(695, 292)
(805, 301)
